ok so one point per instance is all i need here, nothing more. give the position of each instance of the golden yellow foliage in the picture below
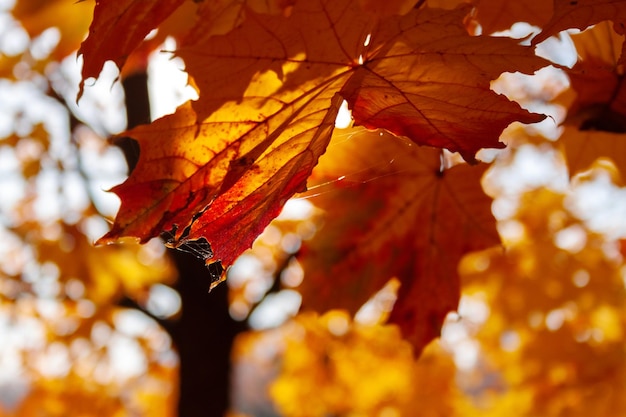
(332, 365)
(555, 334)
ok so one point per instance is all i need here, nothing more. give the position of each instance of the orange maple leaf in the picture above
(220, 168)
(117, 28)
(172, 17)
(393, 211)
(419, 75)
(210, 185)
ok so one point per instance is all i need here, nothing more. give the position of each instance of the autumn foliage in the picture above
(415, 227)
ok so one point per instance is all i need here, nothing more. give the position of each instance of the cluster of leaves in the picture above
(399, 193)
(271, 79)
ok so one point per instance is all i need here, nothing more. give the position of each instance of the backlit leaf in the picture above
(230, 192)
(118, 27)
(172, 17)
(442, 97)
(393, 211)
(222, 167)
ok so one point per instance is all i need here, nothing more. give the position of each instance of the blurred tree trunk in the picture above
(204, 333)
(204, 336)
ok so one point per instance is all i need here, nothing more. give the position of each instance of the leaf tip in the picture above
(112, 237)
(81, 90)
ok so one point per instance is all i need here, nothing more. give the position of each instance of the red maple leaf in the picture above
(394, 211)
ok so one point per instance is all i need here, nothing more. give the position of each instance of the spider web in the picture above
(200, 248)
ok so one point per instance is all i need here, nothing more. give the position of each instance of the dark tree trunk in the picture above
(204, 336)
(204, 332)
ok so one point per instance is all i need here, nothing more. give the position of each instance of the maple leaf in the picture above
(172, 17)
(244, 191)
(580, 14)
(221, 168)
(394, 212)
(117, 29)
(442, 98)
